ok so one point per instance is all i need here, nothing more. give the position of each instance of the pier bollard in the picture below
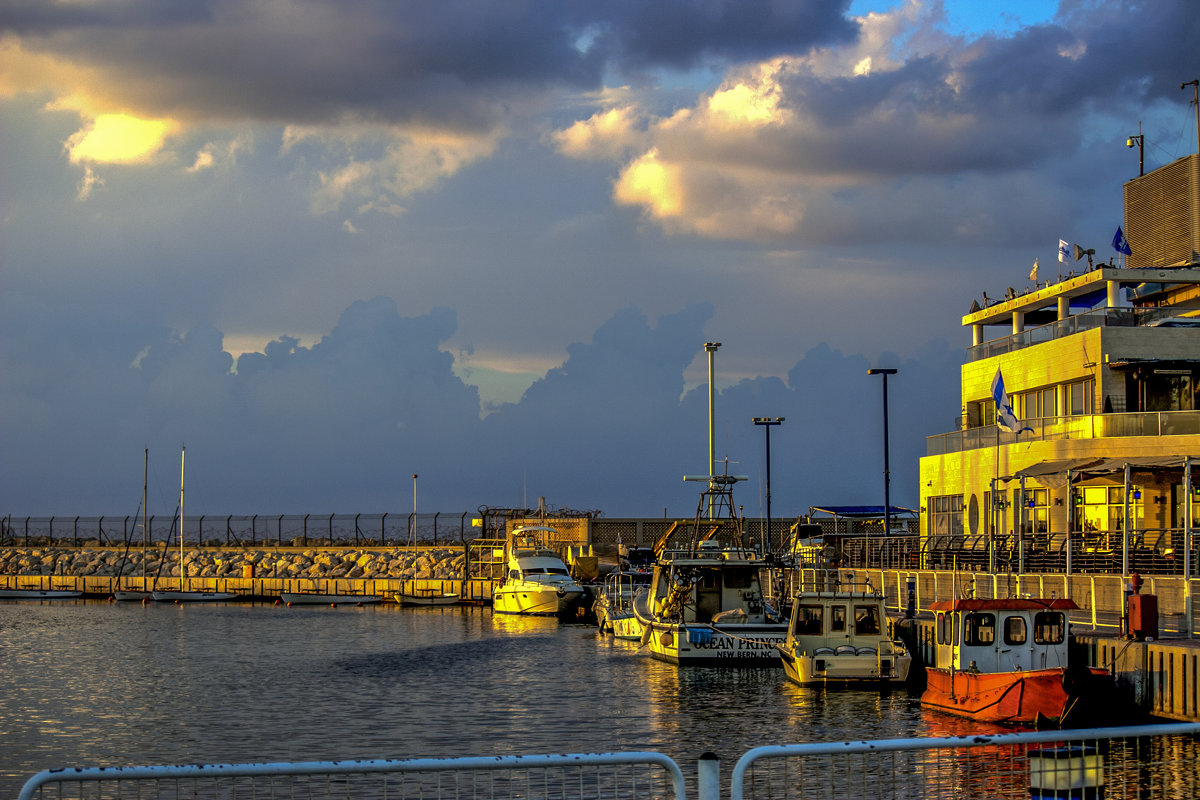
(708, 777)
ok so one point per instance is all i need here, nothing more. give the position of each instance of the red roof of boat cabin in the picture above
(1004, 604)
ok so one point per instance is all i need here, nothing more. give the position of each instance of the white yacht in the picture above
(538, 581)
(838, 637)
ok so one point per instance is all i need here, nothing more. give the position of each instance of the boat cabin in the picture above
(529, 555)
(1001, 635)
(708, 584)
(831, 622)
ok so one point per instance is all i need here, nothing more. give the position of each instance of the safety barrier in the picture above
(613, 776)
(1150, 761)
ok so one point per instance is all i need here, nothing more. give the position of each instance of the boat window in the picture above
(866, 620)
(979, 629)
(546, 571)
(808, 621)
(1014, 630)
(738, 578)
(515, 574)
(1049, 627)
(941, 628)
(837, 619)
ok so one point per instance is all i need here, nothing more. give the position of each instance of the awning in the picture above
(1053, 474)
(860, 512)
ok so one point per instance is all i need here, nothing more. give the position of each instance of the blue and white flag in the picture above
(1120, 243)
(1064, 250)
(1006, 418)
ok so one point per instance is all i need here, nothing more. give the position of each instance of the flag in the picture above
(1033, 272)
(1064, 250)
(1120, 244)
(1006, 418)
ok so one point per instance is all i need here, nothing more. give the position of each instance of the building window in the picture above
(1080, 396)
(1037, 510)
(1036, 404)
(945, 515)
(1101, 513)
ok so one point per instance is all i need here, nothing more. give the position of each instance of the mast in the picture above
(182, 454)
(145, 516)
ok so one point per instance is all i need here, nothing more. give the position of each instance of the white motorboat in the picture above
(538, 580)
(614, 605)
(838, 637)
(706, 605)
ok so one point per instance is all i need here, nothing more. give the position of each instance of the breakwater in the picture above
(335, 563)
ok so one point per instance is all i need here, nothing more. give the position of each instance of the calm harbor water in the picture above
(89, 683)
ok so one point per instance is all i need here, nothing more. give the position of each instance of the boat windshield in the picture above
(808, 621)
(866, 620)
(546, 571)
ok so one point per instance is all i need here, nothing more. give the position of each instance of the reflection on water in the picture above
(92, 683)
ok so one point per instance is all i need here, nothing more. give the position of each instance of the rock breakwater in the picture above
(433, 564)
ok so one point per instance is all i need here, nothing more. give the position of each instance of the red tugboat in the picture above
(1005, 661)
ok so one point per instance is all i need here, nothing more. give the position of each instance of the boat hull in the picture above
(1030, 697)
(707, 645)
(317, 599)
(192, 597)
(870, 670)
(447, 599)
(624, 626)
(533, 600)
(125, 596)
(39, 594)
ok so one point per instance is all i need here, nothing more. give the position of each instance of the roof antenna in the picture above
(1195, 84)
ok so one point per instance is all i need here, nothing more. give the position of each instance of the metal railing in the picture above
(1101, 318)
(1083, 426)
(1153, 761)
(554, 777)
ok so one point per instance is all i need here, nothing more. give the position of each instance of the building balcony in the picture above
(1101, 318)
(1087, 426)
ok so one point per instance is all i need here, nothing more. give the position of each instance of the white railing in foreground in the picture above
(1148, 762)
(584, 776)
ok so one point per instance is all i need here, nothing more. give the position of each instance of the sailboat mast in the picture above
(182, 455)
(145, 513)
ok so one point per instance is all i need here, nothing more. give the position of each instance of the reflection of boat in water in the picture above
(838, 637)
(705, 604)
(1005, 660)
(538, 581)
(614, 605)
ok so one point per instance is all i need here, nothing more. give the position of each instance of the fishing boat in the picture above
(837, 636)
(538, 580)
(705, 604)
(1005, 661)
(126, 595)
(183, 594)
(614, 604)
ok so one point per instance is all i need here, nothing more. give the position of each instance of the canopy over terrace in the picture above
(1069, 473)
(860, 520)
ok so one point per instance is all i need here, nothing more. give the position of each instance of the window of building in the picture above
(1037, 510)
(1080, 396)
(1102, 508)
(1049, 627)
(1036, 404)
(979, 629)
(1014, 630)
(945, 515)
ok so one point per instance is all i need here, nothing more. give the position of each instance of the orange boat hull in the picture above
(1014, 698)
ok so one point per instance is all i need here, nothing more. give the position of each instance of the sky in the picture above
(330, 244)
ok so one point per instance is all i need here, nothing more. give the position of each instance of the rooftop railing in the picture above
(1085, 426)
(1101, 318)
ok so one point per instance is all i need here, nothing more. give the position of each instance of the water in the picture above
(89, 683)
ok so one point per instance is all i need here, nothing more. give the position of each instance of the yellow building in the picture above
(1102, 371)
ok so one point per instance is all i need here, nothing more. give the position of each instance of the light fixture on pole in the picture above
(767, 422)
(887, 475)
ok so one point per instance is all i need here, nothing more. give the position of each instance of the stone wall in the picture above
(432, 564)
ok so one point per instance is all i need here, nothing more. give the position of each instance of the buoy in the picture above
(289, 604)
(333, 605)
(145, 600)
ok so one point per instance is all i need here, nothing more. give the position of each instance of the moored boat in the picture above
(1005, 661)
(705, 605)
(837, 637)
(38, 594)
(324, 599)
(614, 603)
(538, 581)
(426, 596)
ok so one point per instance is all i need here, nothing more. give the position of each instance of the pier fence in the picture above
(1158, 761)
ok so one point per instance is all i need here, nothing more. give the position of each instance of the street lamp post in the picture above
(887, 475)
(767, 422)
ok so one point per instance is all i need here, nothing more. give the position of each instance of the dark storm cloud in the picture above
(340, 426)
(447, 63)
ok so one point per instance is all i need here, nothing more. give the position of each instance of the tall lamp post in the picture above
(766, 423)
(412, 534)
(887, 475)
